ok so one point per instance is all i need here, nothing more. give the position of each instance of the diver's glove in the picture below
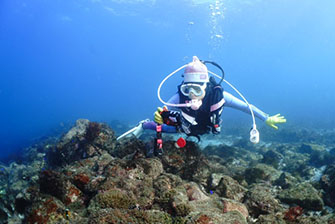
(276, 119)
(158, 117)
(159, 114)
(164, 116)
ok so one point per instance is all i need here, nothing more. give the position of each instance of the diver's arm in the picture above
(232, 101)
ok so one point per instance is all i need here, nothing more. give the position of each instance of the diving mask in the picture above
(196, 89)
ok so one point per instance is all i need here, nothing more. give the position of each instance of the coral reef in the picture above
(85, 176)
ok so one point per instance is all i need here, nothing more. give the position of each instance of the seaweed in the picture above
(92, 131)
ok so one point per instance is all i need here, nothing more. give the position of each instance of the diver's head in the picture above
(196, 72)
(195, 80)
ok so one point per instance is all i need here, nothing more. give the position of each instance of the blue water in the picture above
(103, 60)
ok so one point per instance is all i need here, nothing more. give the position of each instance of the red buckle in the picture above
(160, 143)
(159, 128)
(216, 126)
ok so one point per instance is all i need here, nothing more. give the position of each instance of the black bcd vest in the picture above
(214, 94)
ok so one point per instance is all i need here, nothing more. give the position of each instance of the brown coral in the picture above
(41, 215)
(80, 180)
(72, 196)
(293, 213)
(203, 219)
(92, 131)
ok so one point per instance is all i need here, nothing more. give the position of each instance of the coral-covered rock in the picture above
(131, 176)
(304, 195)
(310, 148)
(219, 206)
(230, 188)
(221, 167)
(81, 181)
(43, 212)
(53, 183)
(286, 180)
(261, 172)
(194, 193)
(87, 174)
(295, 163)
(152, 167)
(166, 182)
(58, 185)
(233, 154)
(52, 211)
(104, 181)
(78, 130)
(173, 198)
(260, 199)
(188, 162)
(315, 220)
(15, 182)
(272, 158)
(104, 216)
(214, 180)
(86, 139)
(216, 218)
(277, 218)
(293, 213)
(114, 198)
(176, 200)
(128, 147)
(327, 183)
(231, 205)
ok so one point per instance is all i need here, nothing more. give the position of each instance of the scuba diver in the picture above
(197, 106)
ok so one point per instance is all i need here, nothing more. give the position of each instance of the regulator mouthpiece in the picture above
(195, 104)
(254, 136)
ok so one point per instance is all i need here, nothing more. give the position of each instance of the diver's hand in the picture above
(276, 119)
(158, 115)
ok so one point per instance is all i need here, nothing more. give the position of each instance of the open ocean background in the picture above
(61, 60)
